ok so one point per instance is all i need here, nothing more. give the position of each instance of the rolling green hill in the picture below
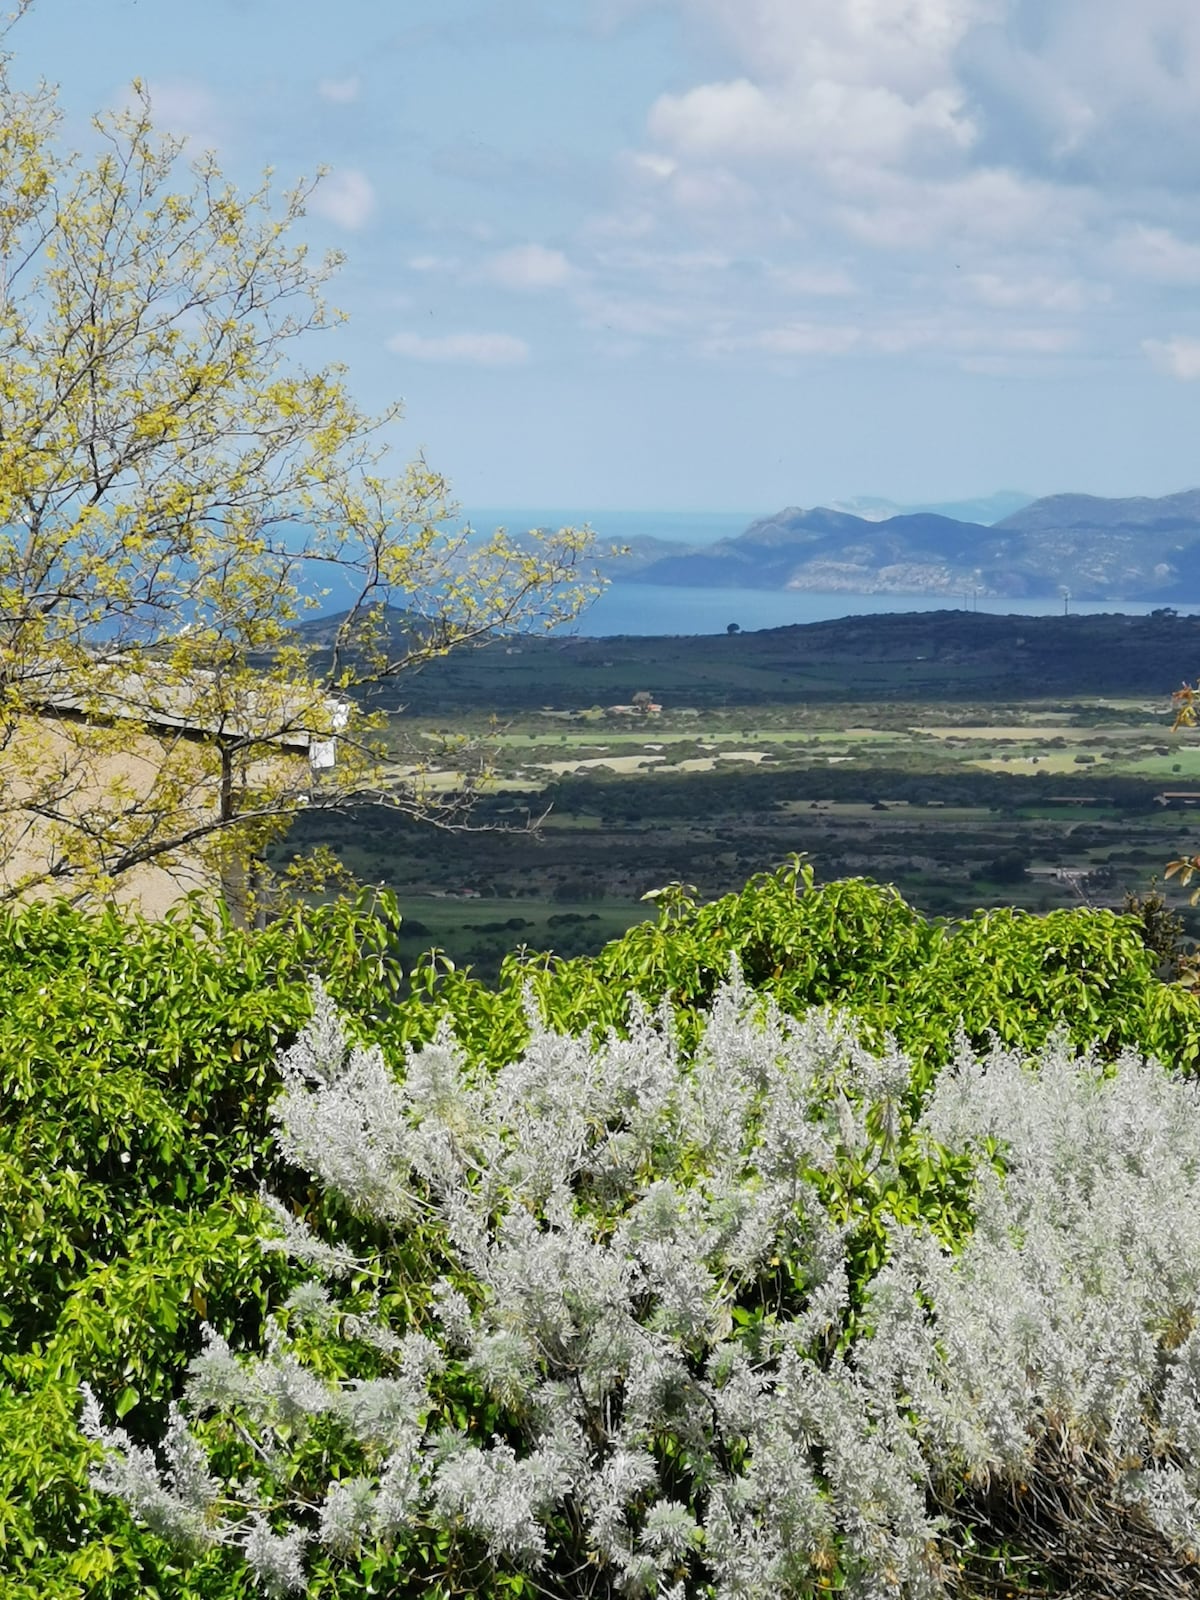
(905, 655)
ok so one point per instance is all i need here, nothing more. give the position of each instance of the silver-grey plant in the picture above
(610, 1212)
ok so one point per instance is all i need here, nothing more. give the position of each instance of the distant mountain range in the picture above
(1096, 549)
(986, 508)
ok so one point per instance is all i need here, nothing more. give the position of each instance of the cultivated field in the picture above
(1036, 803)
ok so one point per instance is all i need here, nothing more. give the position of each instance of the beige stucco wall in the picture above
(84, 769)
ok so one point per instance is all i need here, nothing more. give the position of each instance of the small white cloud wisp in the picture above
(1176, 357)
(528, 267)
(462, 349)
(188, 110)
(344, 197)
(340, 91)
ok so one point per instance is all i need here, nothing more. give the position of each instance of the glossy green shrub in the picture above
(136, 1065)
(854, 945)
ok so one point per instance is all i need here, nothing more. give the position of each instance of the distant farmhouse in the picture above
(642, 706)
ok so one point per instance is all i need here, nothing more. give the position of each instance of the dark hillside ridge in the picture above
(905, 656)
(1097, 549)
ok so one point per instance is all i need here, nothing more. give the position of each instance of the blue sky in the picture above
(720, 254)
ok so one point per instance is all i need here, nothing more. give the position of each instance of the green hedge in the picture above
(136, 1066)
(855, 945)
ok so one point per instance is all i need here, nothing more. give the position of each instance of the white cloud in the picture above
(188, 110)
(344, 197)
(986, 207)
(1037, 292)
(640, 316)
(903, 335)
(623, 224)
(833, 281)
(665, 265)
(462, 349)
(653, 165)
(339, 91)
(908, 44)
(819, 119)
(986, 177)
(804, 339)
(1178, 356)
(1159, 254)
(528, 267)
(809, 339)
(1101, 86)
(710, 193)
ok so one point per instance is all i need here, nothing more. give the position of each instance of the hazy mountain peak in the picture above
(987, 509)
(1100, 549)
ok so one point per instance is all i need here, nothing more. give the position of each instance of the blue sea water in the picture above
(617, 527)
(648, 609)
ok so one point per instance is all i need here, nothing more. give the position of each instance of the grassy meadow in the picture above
(1038, 803)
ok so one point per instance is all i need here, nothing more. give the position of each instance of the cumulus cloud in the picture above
(462, 349)
(907, 44)
(339, 91)
(1100, 89)
(999, 102)
(528, 267)
(1007, 180)
(821, 119)
(344, 197)
(870, 80)
(1177, 357)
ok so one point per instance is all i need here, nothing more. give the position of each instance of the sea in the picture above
(646, 609)
(616, 527)
(649, 608)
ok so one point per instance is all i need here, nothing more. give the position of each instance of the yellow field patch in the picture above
(613, 763)
(707, 763)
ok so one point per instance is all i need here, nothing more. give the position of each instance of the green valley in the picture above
(931, 763)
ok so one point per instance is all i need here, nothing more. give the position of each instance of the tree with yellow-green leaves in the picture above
(176, 490)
